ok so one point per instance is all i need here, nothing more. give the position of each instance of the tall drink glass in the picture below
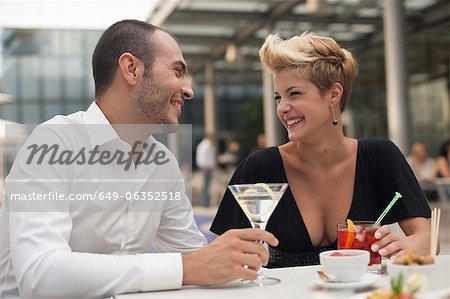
(361, 238)
(258, 202)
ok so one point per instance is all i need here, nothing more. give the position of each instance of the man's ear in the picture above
(336, 94)
(130, 68)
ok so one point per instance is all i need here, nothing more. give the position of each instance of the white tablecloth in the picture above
(297, 282)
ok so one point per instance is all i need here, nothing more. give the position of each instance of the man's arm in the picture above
(44, 264)
(236, 254)
(177, 231)
(46, 267)
(226, 258)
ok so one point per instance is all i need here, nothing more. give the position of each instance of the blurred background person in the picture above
(206, 161)
(443, 171)
(443, 161)
(233, 155)
(424, 168)
(236, 148)
(260, 143)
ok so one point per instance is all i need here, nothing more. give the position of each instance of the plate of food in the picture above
(411, 264)
(400, 288)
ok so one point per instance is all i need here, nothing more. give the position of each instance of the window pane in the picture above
(31, 113)
(29, 78)
(52, 78)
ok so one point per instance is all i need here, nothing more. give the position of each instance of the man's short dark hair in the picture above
(130, 36)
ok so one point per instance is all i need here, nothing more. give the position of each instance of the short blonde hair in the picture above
(317, 58)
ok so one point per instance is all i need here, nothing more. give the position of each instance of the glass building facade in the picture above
(48, 72)
(427, 62)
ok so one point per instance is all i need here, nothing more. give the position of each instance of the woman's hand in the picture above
(389, 244)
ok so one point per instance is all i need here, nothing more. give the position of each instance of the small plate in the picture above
(367, 279)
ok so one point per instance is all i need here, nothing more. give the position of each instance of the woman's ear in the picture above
(129, 68)
(336, 94)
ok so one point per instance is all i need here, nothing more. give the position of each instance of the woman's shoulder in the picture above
(265, 153)
(376, 152)
(377, 144)
(262, 163)
(262, 158)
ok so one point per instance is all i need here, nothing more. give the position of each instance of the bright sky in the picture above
(70, 14)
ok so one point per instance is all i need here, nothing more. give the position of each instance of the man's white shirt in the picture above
(64, 251)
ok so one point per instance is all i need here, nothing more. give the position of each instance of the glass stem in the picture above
(260, 225)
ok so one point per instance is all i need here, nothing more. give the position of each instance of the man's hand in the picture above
(224, 259)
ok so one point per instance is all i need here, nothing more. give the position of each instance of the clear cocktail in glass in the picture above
(258, 201)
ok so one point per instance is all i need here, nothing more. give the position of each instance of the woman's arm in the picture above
(417, 231)
(442, 167)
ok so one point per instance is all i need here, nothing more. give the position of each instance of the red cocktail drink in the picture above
(359, 236)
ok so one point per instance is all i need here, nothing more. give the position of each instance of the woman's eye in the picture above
(293, 93)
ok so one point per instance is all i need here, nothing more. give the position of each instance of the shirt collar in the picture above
(99, 128)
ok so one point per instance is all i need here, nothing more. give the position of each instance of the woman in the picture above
(443, 161)
(331, 177)
(424, 168)
(443, 171)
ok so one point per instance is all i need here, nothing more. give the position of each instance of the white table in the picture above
(297, 282)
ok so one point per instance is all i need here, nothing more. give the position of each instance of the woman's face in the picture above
(420, 152)
(302, 110)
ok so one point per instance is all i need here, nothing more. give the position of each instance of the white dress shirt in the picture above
(205, 154)
(78, 249)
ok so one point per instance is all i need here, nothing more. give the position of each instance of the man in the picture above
(65, 249)
(206, 161)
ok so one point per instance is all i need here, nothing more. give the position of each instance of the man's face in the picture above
(161, 95)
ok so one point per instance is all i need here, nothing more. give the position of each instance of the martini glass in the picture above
(258, 202)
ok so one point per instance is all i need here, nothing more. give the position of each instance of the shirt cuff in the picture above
(161, 271)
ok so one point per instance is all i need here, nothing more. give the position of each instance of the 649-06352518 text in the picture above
(97, 195)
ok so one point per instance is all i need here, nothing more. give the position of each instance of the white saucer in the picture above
(367, 279)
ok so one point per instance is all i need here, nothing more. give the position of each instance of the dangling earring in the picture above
(335, 121)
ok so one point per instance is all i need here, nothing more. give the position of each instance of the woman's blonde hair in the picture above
(317, 58)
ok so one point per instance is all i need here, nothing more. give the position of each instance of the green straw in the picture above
(393, 201)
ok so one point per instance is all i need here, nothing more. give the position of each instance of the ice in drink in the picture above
(358, 235)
